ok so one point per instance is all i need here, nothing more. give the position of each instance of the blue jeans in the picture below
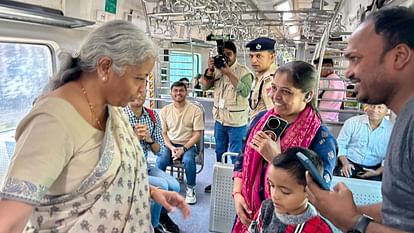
(188, 160)
(228, 138)
(162, 180)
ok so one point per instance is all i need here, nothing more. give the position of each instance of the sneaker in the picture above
(159, 229)
(168, 223)
(207, 189)
(190, 196)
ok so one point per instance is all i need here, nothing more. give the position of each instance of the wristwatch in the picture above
(361, 224)
(185, 149)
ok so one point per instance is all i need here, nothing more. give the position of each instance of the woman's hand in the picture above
(170, 200)
(266, 147)
(241, 209)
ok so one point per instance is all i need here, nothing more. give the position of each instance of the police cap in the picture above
(261, 44)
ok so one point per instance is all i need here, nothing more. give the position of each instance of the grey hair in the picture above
(119, 40)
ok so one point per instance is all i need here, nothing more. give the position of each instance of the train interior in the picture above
(33, 32)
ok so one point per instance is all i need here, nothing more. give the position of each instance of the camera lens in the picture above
(273, 123)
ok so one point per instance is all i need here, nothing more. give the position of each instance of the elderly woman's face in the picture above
(288, 100)
(130, 84)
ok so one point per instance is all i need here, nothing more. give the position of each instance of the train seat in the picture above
(222, 210)
(364, 191)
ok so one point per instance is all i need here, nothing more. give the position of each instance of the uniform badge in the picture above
(258, 47)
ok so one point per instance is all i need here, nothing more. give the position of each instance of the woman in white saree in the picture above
(78, 166)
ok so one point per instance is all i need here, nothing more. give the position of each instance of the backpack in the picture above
(152, 116)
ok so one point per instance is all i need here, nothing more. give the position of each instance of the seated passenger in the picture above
(363, 142)
(293, 100)
(288, 209)
(182, 124)
(186, 81)
(147, 126)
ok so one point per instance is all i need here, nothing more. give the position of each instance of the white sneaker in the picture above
(190, 196)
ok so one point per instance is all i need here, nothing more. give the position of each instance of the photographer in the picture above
(232, 82)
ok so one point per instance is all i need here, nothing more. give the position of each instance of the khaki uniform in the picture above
(265, 102)
(231, 106)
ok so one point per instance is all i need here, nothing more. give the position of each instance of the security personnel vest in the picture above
(230, 108)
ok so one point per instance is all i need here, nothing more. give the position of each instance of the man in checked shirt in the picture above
(147, 126)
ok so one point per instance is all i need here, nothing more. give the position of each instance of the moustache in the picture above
(354, 79)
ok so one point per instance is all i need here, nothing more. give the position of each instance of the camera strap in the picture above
(207, 76)
(259, 97)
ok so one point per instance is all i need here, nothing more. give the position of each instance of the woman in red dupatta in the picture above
(293, 99)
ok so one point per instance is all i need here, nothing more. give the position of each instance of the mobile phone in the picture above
(307, 163)
(274, 127)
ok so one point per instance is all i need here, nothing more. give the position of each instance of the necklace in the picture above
(98, 122)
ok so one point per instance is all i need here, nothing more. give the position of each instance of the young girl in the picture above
(288, 209)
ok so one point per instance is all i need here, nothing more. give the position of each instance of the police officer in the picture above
(262, 57)
(232, 85)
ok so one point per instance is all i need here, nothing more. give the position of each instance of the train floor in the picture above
(199, 220)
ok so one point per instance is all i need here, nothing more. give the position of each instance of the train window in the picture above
(181, 65)
(24, 71)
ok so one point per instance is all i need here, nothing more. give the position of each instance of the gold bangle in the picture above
(152, 190)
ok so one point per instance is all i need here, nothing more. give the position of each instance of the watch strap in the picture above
(361, 224)
(185, 149)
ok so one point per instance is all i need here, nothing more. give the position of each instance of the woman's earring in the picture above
(104, 78)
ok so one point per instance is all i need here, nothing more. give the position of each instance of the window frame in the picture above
(52, 47)
(195, 66)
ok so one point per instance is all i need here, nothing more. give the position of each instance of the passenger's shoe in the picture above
(159, 229)
(190, 196)
(168, 223)
(207, 189)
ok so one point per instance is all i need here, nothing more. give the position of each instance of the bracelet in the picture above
(150, 143)
(234, 193)
(152, 190)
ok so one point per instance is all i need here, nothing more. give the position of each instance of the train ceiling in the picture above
(285, 20)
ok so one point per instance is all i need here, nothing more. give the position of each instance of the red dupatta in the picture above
(299, 133)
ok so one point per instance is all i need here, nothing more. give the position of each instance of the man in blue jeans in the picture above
(147, 126)
(182, 126)
(232, 83)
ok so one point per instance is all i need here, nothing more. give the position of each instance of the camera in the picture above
(220, 61)
(274, 127)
